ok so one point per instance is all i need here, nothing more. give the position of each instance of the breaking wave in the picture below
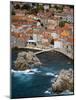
(51, 74)
(47, 92)
(28, 71)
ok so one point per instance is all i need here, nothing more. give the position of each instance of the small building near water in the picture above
(58, 44)
(31, 42)
(54, 35)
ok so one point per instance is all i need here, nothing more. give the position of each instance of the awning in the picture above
(32, 41)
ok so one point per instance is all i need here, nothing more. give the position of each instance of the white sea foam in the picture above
(28, 71)
(35, 70)
(67, 92)
(56, 75)
(13, 71)
(31, 71)
(47, 92)
(51, 74)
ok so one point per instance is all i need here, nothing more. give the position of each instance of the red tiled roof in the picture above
(21, 36)
(71, 39)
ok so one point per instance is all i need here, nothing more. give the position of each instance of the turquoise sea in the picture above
(37, 81)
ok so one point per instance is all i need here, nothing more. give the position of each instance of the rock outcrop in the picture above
(64, 81)
(26, 60)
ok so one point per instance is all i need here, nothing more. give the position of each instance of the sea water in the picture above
(37, 81)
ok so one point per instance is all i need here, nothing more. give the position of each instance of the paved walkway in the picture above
(61, 50)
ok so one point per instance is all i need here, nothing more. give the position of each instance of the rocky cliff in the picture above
(26, 60)
(64, 81)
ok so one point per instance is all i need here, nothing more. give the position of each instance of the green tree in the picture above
(25, 6)
(61, 23)
(13, 12)
(17, 6)
(40, 7)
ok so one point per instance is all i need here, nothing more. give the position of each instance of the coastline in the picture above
(39, 50)
(45, 74)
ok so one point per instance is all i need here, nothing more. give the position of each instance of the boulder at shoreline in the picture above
(26, 60)
(64, 81)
